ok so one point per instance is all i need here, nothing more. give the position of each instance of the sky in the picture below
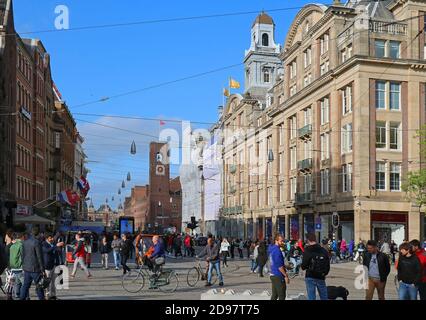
(90, 64)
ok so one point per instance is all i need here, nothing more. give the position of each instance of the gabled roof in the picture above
(376, 9)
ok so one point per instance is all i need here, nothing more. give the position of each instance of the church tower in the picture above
(262, 63)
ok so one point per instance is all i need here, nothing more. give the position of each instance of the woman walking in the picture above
(125, 252)
(409, 273)
(224, 251)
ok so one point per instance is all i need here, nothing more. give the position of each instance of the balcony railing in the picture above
(305, 131)
(305, 164)
(303, 197)
(389, 28)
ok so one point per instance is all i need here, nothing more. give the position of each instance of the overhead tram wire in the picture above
(156, 21)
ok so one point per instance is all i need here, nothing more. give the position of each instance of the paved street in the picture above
(106, 284)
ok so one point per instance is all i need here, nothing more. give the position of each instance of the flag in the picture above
(226, 92)
(83, 185)
(68, 197)
(162, 123)
(234, 84)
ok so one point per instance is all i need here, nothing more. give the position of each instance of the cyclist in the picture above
(155, 256)
(360, 248)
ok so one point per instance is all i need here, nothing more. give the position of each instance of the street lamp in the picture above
(133, 148)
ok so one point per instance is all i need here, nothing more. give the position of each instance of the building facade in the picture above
(7, 110)
(339, 135)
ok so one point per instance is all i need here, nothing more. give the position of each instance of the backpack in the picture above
(320, 264)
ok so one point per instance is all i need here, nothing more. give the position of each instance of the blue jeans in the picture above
(214, 265)
(253, 265)
(117, 258)
(407, 291)
(313, 284)
(29, 278)
(19, 276)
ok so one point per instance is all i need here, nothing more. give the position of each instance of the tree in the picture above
(415, 184)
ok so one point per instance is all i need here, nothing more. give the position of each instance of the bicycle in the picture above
(9, 287)
(166, 281)
(196, 273)
(291, 270)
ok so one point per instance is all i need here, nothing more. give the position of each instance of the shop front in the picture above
(389, 225)
(308, 224)
(249, 229)
(281, 225)
(345, 229)
(294, 227)
(268, 227)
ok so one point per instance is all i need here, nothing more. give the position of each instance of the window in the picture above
(293, 90)
(324, 43)
(293, 158)
(346, 99)
(379, 46)
(293, 127)
(380, 95)
(395, 177)
(347, 177)
(394, 136)
(346, 138)
(307, 116)
(380, 134)
(293, 185)
(266, 76)
(324, 111)
(307, 55)
(307, 151)
(324, 67)
(380, 176)
(325, 146)
(307, 183)
(394, 96)
(293, 69)
(281, 192)
(325, 182)
(265, 40)
(394, 49)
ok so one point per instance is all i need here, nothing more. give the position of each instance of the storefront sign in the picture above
(24, 210)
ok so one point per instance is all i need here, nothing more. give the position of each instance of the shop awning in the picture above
(33, 219)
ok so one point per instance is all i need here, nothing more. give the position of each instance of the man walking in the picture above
(377, 264)
(279, 277)
(15, 264)
(116, 247)
(211, 251)
(80, 256)
(316, 262)
(421, 255)
(33, 265)
(51, 259)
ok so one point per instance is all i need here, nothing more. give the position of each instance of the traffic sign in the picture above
(318, 226)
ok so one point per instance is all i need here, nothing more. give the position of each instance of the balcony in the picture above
(304, 165)
(302, 198)
(389, 28)
(305, 131)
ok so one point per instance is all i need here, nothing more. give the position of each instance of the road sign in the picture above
(318, 226)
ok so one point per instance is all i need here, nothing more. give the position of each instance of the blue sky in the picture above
(90, 64)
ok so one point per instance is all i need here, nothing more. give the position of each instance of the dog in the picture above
(337, 292)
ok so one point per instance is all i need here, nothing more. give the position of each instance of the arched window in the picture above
(265, 40)
(266, 76)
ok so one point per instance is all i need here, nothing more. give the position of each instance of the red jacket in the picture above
(80, 250)
(421, 254)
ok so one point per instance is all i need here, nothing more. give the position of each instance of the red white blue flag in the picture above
(68, 197)
(83, 185)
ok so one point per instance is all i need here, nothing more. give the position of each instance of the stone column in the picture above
(362, 224)
(414, 224)
(287, 226)
(301, 227)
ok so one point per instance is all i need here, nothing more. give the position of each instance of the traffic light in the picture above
(335, 220)
(194, 224)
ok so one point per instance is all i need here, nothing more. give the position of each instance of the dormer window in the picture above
(265, 40)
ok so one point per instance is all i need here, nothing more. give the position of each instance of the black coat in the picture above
(262, 255)
(409, 269)
(126, 247)
(32, 260)
(104, 248)
(383, 263)
(310, 253)
(50, 255)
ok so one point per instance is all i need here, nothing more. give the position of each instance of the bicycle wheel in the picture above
(133, 282)
(193, 277)
(168, 282)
